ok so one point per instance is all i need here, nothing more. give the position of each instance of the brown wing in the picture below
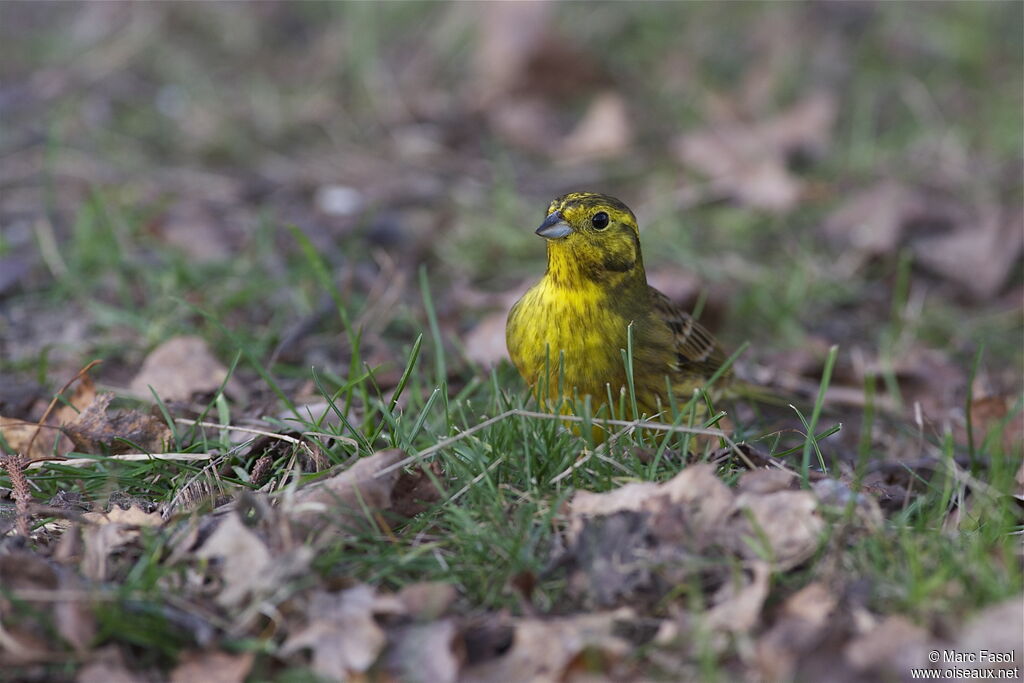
(697, 351)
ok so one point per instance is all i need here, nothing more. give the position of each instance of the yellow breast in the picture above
(573, 330)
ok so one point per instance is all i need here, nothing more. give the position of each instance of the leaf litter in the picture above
(747, 569)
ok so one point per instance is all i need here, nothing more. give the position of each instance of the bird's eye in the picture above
(599, 220)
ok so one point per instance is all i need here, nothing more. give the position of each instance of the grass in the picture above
(402, 385)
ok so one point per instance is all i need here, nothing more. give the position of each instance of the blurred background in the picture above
(805, 174)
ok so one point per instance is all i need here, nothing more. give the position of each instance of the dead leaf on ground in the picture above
(344, 501)
(872, 221)
(991, 413)
(107, 532)
(980, 254)
(181, 368)
(749, 161)
(193, 228)
(737, 608)
(133, 516)
(604, 132)
(212, 667)
(425, 652)
(246, 565)
(508, 35)
(974, 246)
(787, 521)
(22, 640)
(106, 665)
(427, 600)
(799, 629)
(101, 541)
(893, 646)
(97, 430)
(519, 56)
(485, 343)
(997, 628)
(342, 631)
(633, 543)
(548, 649)
(50, 441)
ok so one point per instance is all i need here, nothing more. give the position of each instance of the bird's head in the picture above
(593, 236)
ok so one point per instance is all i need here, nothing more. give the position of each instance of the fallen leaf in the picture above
(749, 161)
(872, 221)
(427, 600)
(244, 557)
(766, 480)
(799, 629)
(212, 667)
(101, 541)
(181, 368)
(342, 632)
(195, 230)
(50, 441)
(604, 132)
(26, 640)
(509, 35)
(425, 652)
(340, 500)
(736, 609)
(547, 649)
(895, 645)
(787, 521)
(95, 430)
(995, 629)
(990, 413)
(133, 516)
(485, 343)
(980, 254)
(107, 666)
(636, 541)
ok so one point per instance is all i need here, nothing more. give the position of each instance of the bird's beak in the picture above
(554, 227)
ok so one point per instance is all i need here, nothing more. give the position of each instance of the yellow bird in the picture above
(577, 316)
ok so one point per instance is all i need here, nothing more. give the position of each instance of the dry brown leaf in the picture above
(737, 608)
(706, 500)
(427, 600)
(996, 629)
(100, 542)
(245, 560)
(342, 632)
(95, 430)
(980, 254)
(212, 667)
(485, 343)
(605, 132)
(193, 228)
(510, 33)
(340, 499)
(180, 368)
(50, 441)
(546, 649)
(799, 629)
(895, 645)
(107, 666)
(991, 412)
(749, 162)
(634, 542)
(872, 221)
(133, 516)
(31, 640)
(788, 521)
(766, 480)
(425, 652)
